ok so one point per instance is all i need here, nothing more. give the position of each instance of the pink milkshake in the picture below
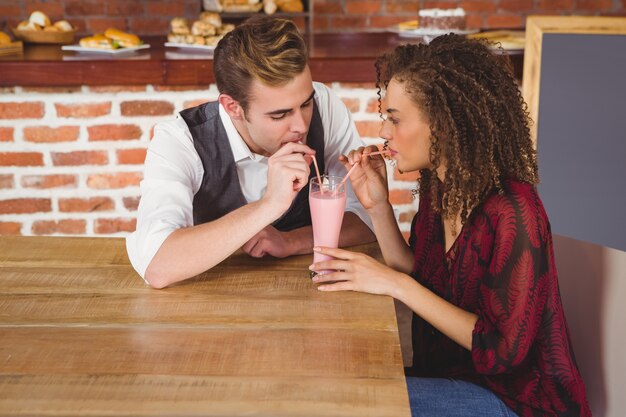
(327, 207)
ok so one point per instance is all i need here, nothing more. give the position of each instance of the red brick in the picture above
(146, 108)
(406, 176)
(49, 181)
(321, 24)
(400, 196)
(404, 7)
(10, 11)
(109, 226)
(387, 21)
(99, 24)
(194, 87)
(372, 106)
(505, 21)
(84, 7)
(131, 156)
(149, 25)
(65, 227)
(6, 134)
(193, 103)
(79, 158)
(366, 86)
(10, 228)
(516, 5)
(6, 181)
(22, 159)
(369, 129)
(53, 90)
(327, 7)
(124, 8)
(53, 9)
(131, 203)
(117, 180)
(43, 134)
(25, 205)
(474, 21)
(165, 8)
(114, 132)
(80, 25)
(439, 5)
(597, 5)
(406, 217)
(23, 110)
(86, 205)
(556, 5)
(353, 104)
(484, 6)
(117, 88)
(363, 7)
(83, 110)
(348, 22)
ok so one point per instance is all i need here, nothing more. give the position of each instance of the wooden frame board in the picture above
(536, 27)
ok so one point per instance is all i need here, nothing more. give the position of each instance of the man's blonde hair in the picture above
(267, 49)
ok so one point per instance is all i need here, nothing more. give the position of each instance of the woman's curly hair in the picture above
(478, 119)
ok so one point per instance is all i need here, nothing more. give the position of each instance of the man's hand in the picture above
(268, 241)
(287, 174)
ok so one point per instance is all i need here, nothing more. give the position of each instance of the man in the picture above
(234, 173)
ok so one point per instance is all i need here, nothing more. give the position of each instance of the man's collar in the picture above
(239, 147)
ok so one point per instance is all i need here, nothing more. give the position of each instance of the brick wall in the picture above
(71, 159)
(151, 17)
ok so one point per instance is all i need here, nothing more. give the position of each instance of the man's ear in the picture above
(232, 107)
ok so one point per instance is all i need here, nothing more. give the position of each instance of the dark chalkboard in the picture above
(581, 136)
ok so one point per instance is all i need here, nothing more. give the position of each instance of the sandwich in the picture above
(4, 39)
(122, 39)
(97, 41)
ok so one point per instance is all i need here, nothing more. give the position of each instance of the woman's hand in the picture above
(356, 272)
(369, 179)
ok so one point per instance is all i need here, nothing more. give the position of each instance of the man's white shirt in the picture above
(173, 174)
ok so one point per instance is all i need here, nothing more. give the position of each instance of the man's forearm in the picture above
(353, 232)
(192, 250)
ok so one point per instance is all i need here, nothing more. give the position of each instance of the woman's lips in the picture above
(393, 152)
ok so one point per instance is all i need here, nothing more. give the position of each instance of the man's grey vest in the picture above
(220, 192)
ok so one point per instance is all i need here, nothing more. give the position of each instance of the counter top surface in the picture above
(83, 335)
(340, 57)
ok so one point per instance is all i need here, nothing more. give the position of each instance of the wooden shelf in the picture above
(338, 57)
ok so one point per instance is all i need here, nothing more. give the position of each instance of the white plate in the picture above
(119, 51)
(428, 32)
(199, 48)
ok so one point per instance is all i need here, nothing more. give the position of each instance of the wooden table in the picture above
(81, 334)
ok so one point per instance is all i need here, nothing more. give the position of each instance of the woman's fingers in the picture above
(337, 286)
(336, 252)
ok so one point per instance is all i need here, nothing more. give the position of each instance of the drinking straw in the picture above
(319, 177)
(355, 165)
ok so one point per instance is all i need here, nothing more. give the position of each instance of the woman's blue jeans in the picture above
(441, 397)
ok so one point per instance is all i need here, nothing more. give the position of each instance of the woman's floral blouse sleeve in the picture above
(513, 292)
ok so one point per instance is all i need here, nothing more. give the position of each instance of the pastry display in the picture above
(207, 30)
(442, 18)
(39, 29)
(509, 40)
(251, 6)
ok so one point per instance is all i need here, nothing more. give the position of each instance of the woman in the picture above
(489, 332)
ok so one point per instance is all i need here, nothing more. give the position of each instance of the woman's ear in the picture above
(232, 107)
